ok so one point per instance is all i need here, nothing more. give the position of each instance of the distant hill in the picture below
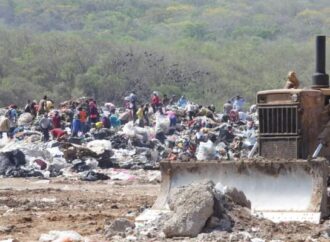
(208, 50)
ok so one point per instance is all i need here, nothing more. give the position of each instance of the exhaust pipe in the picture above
(320, 78)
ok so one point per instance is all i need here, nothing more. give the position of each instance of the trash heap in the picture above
(180, 131)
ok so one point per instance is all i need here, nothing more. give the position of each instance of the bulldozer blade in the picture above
(279, 191)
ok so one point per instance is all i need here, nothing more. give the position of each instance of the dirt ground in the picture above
(30, 207)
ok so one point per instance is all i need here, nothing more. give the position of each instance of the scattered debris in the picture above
(118, 227)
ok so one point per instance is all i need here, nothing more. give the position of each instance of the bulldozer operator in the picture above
(292, 81)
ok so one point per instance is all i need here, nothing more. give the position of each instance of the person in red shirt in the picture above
(155, 102)
(56, 121)
(59, 134)
(83, 119)
(93, 112)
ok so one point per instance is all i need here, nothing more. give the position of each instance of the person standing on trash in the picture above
(238, 103)
(172, 117)
(114, 121)
(49, 105)
(105, 122)
(45, 126)
(83, 119)
(27, 108)
(139, 114)
(155, 101)
(227, 107)
(11, 114)
(182, 102)
(4, 126)
(191, 110)
(56, 120)
(133, 105)
(160, 127)
(166, 100)
(173, 100)
(33, 108)
(93, 112)
(146, 114)
(42, 105)
(76, 126)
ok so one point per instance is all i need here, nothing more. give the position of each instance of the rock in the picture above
(192, 206)
(238, 197)
(118, 227)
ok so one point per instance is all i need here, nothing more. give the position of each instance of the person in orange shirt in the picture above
(83, 119)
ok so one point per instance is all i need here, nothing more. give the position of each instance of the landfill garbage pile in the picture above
(82, 138)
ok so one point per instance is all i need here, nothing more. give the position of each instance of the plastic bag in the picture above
(206, 151)
(99, 146)
(162, 124)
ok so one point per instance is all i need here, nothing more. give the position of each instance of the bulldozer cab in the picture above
(290, 121)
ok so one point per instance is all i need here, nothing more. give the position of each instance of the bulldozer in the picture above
(287, 181)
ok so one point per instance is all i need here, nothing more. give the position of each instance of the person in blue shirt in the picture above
(76, 125)
(182, 102)
(114, 120)
(238, 103)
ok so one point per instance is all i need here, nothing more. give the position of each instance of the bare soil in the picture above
(30, 207)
